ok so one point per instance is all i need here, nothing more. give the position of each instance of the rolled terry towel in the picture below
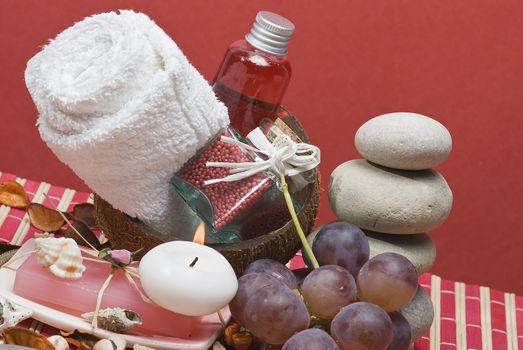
(122, 106)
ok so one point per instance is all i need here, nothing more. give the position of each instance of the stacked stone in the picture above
(395, 196)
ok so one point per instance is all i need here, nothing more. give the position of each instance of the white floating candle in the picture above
(188, 278)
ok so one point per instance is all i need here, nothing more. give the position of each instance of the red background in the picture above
(457, 61)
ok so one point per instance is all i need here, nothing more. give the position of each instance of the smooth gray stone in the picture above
(419, 313)
(388, 200)
(419, 249)
(404, 140)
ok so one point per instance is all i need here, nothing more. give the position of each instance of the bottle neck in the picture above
(244, 44)
(270, 33)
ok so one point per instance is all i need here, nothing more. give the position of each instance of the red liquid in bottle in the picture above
(251, 83)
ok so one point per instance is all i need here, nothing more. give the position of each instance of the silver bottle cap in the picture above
(271, 33)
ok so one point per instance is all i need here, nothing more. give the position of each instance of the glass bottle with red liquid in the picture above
(251, 82)
(255, 72)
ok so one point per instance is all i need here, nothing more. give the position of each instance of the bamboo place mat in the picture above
(466, 316)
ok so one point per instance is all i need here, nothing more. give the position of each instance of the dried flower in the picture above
(84, 212)
(13, 194)
(45, 219)
(121, 256)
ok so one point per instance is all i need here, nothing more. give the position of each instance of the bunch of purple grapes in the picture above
(353, 302)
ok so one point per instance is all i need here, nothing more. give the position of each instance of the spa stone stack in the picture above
(395, 196)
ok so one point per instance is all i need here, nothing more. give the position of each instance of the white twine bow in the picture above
(284, 157)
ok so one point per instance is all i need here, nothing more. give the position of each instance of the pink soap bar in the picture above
(36, 283)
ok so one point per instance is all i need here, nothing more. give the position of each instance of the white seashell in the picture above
(61, 256)
(104, 344)
(58, 342)
(119, 342)
(11, 314)
(115, 319)
(110, 344)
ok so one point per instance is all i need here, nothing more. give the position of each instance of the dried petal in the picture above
(28, 338)
(85, 232)
(45, 219)
(84, 212)
(13, 194)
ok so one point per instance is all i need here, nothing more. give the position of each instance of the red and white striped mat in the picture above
(466, 316)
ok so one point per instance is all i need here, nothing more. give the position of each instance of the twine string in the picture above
(283, 156)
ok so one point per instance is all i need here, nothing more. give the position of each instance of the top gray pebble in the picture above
(404, 140)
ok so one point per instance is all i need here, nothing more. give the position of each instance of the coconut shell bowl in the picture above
(281, 244)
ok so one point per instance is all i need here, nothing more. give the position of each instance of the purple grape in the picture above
(327, 289)
(401, 333)
(310, 339)
(274, 313)
(362, 326)
(275, 269)
(388, 280)
(247, 285)
(343, 244)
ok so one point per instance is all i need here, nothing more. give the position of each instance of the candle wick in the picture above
(194, 262)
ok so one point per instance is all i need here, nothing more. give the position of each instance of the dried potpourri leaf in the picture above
(44, 218)
(28, 338)
(69, 216)
(7, 247)
(85, 232)
(84, 212)
(79, 339)
(13, 194)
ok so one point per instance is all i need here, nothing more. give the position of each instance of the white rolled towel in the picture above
(122, 106)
